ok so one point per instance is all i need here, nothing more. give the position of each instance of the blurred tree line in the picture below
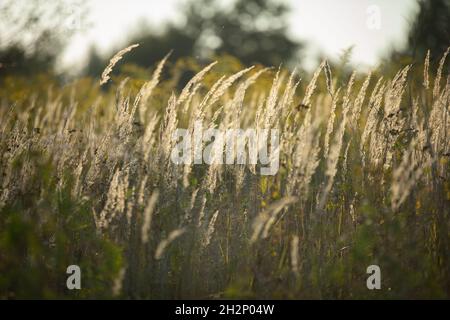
(430, 30)
(254, 31)
(33, 34)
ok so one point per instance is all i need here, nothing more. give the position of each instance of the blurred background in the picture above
(78, 37)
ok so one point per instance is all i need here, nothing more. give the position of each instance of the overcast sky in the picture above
(328, 26)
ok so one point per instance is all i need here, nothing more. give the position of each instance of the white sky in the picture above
(328, 26)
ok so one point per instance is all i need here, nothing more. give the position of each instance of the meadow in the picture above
(86, 179)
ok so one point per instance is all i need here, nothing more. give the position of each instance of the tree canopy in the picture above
(430, 29)
(33, 34)
(254, 31)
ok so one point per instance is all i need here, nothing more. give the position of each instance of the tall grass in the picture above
(363, 179)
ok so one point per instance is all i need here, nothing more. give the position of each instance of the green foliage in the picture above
(43, 231)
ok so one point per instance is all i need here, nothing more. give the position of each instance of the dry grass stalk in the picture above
(148, 213)
(166, 242)
(117, 57)
(294, 254)
(426, 67)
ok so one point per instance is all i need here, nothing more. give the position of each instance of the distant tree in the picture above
(152, 48)
(251, 30)
(33, 34)
(254, 31)
(430, 29)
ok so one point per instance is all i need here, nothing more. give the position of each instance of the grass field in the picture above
(86, 179)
